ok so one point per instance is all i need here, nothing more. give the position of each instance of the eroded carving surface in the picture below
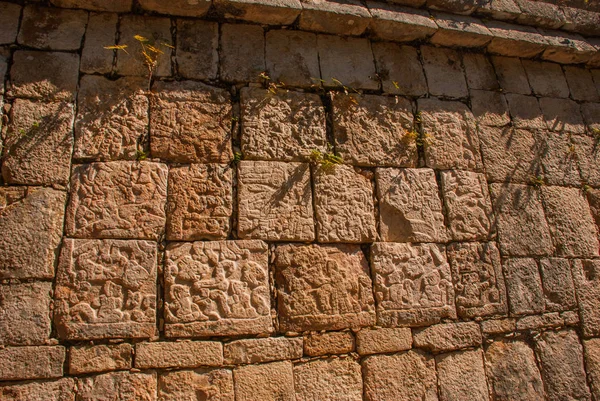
(196, 385)
(118, 386)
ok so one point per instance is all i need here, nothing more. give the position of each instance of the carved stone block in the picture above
(269, 381)
(106, 289)
(413, 285)
(477, 276)
(201, 384)
(118, 386)
(461, 376)
(323, 288)
(117, 200)
(199, 202)
(58, 390)
(328, 379)
(217, 289)
(275, 201)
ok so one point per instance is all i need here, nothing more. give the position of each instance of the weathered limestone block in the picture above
(260, 350)
(413, 285)
(265, 12)
(448, 337)
(58, 390)
(408, 376)
(275, 201)
(117, 200)
(300, 64)
(112, 118)
(242, 60)
(468, 205)
(271, 381)
(559, 158)
(513, 372)
(544, 15)
(52, 28)
(592, 364)
(38, 143)
(399, 69)
(117, 6)
(99, 358)
(44, 75)
(524, 286)
(217, 289)
(380, 341)
(349, 17)
(328, 379)
(526, 112)
(586, 274)
(567, 48)
(285, 126)
(333, 342)
(580, 20)
(190, 123)
(445, 75)
(106, 289)
(570, 318)
(571, 224)
(490, 109)
(31, 222)
(460, 31)
(118, 386)
(561, 359)
(479, 72)
(25, 313)
(562, 115)
(498, 326)
(187, 8)
(591, 114)
(180, 354)
(101, 31)
(197, 384)
(514, 40)
(199, 202)
(323, 288)
(9, 21)
(511, 75)
(400, 24)
(461, 376)
(540, 322)
(344, 207)
(374, 130)
(451, 137)
(593, 197)
(588, 158)
(557, 282)
(26, 363)
(546, 79)
(158, 33)
(581, 84)
(197, 43)
(410, 207)
(477, 276)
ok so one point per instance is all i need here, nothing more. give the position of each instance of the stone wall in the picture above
(187, 232)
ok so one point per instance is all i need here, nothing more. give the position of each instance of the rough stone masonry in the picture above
(236, 200)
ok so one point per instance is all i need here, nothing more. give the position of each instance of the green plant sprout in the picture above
(270, 85)
(537, 181)
(140, 155)
(237, 157)
(327, 160)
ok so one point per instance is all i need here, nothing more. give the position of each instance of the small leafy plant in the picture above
(140, 155)
(270, 85)
(327, 160)
(237, 157)
(537, 181)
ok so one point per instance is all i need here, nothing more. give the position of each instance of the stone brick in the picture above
(581, 84)
(586, 274)
(374, 130)
(344, 205)
(490, 109)
(400, 24)
(522, 226)
(448, 337)
(479, 72)
(44, 75)
(350, 17)
(513, 372)
(404, 377)
(498, 326)
(412, 284)
(461, 376)
(242, 60)
(265, 12)
(260, 350)
(514, 40)
(323, 288)
(347, 60)
(52, 28)
(511, 75)
(3, 70)
(9, 21)
(217, 289)
(275, 201)
(281, 126)
(580, 20)
(328, 379)
(58, 390)
(118, 386)
(540, 322)
(592, 364)
(546, 79)
(414, 218)
(593, 196)
(196, 384)
(197, 8)
(334, 342)
(199, 202)
(559, 159)
(158, 32)
(112, 118)
(477, 277)
(181, 354)
(132, 204)
(197, 43)
(503, 10)
(190, 123)
(399, 69)
(38, 143)
(591, 115)
(31, 221)
(99, 358)
(557, 282)
(101, 293)
(444, 72)
(101, 31)
(117, 6)
(384, 340)
(571, 224)
(451, 140)
(25, 363)
(300, 64)
(567, 48)
(562, 115)
(526, 112)
(460, 31)
(468, 206)
(587, 155)
(271, 381)
(561, 360)
(544, 15)
(524, 286)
